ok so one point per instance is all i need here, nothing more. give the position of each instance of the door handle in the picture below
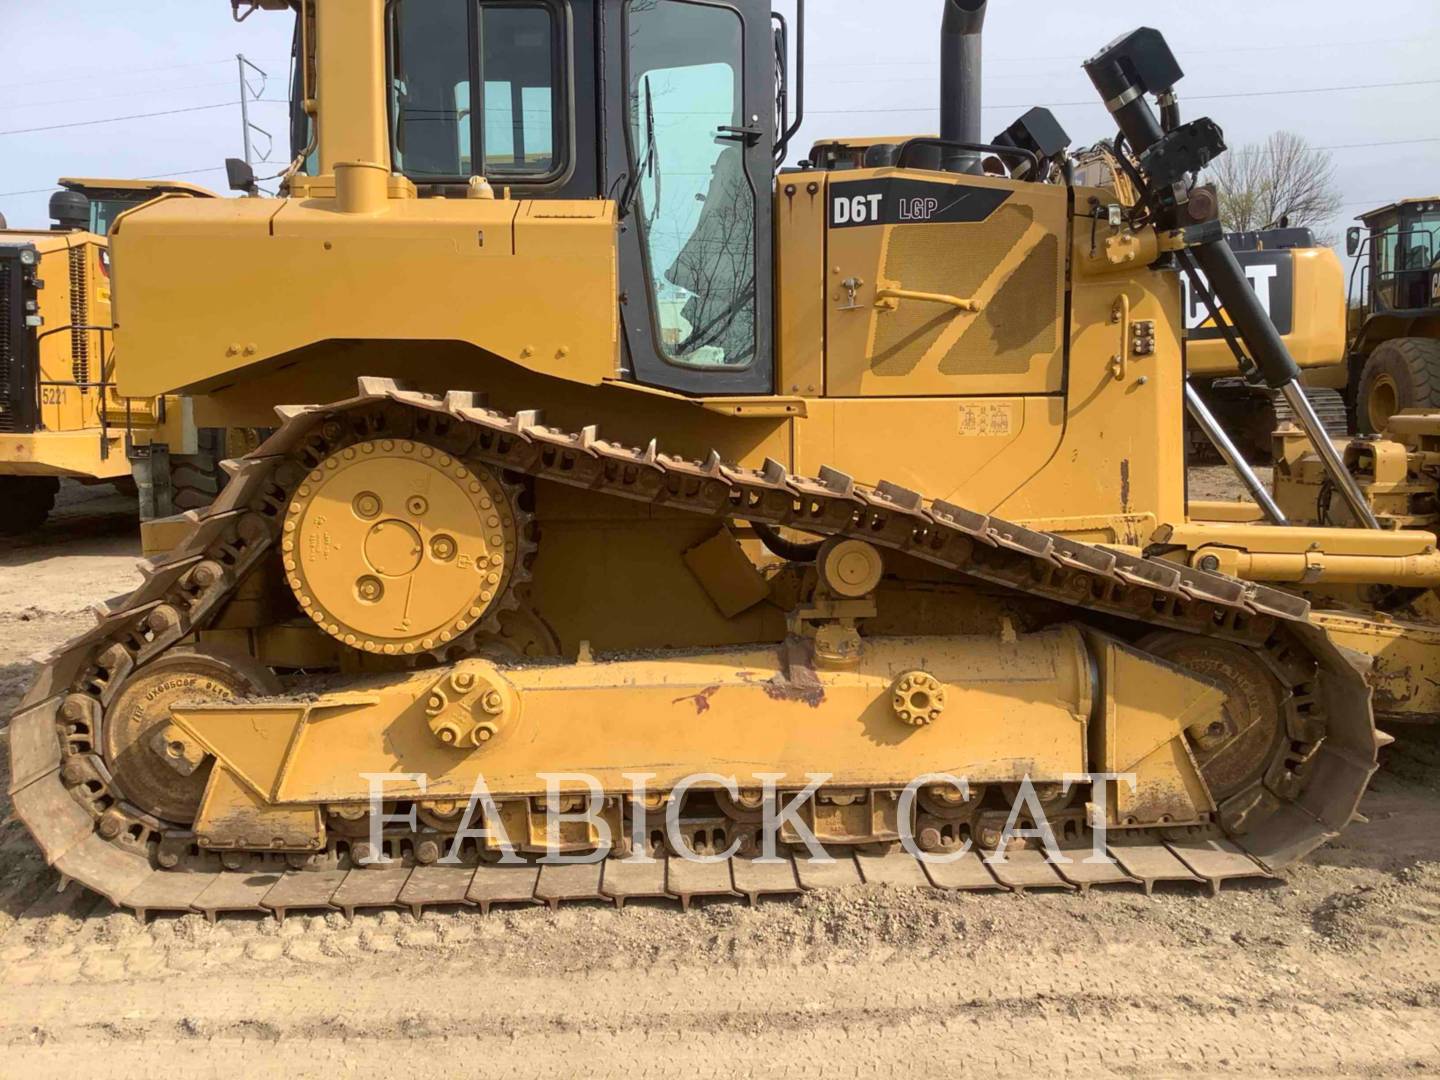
(889, 299)
(749, 135)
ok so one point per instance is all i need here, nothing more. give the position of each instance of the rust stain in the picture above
(1125, 485)
(701, 700)
(797, 680)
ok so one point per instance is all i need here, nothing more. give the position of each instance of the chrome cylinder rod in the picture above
(1304, 414)
(1228, 450)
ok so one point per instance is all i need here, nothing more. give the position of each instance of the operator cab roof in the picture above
(104, 188)
(1399, 205)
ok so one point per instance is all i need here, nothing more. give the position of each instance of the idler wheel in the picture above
(133, 733)
(1233, 753)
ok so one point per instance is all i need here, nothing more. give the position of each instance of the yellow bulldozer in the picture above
(60, 413)
(679, 523)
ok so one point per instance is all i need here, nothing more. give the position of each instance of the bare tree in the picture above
(1283, 178)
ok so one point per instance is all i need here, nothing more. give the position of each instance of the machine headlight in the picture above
(27, 257)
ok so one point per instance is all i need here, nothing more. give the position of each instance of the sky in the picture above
(1255, 66)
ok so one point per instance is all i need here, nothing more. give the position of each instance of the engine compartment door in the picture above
(942, 284)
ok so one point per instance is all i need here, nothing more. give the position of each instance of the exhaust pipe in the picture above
(961, 67)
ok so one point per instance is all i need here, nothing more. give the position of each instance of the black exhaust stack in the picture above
(961, 67)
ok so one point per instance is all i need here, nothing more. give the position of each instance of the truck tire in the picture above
(196, 479)
(28, 501)
(1400, 374)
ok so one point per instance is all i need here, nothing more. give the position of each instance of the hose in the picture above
(789, 550)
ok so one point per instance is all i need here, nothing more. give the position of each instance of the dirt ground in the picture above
(1333, 971)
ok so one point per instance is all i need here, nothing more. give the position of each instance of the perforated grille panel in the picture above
(18, 369)
(1011, 267)
(80, 316)
(8, 358)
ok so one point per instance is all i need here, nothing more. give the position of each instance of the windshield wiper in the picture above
(648, 161)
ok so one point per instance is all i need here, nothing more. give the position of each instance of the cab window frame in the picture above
(756, 362)
(562, 98)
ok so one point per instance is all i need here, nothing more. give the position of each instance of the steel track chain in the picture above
(65, 795)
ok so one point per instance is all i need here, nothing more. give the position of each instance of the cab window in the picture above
(692, 196)
(477, 88)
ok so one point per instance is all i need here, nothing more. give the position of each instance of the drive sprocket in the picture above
(398, 548)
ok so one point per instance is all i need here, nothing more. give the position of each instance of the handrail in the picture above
(896, 295)
(902, 158)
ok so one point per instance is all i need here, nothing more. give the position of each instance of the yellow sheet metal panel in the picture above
(898, 240)
(1237, 512)
(419, 270)
(726, 573)
(964, 441)
(1140, 731)
(800, 283)
(566, 718)
(1121, 453)
(65, 453)
(1406, 675)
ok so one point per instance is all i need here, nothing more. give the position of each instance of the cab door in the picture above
(693, 174)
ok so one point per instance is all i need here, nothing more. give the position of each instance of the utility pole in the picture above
(248, 94)
(244, 106)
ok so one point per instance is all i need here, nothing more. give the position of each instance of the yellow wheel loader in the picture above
(60, 414)
(1394, 351)
(682, 524)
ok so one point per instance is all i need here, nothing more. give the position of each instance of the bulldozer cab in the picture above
(521, 94)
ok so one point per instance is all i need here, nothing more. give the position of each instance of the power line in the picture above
(97, 76)
(133, 116)
(1190, 97)
(151, 176)
(109, 97)
(1188, 52)
(1367, 145)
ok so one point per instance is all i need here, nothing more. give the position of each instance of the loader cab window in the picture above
(692, 196)
(104, 211)
(477, 88)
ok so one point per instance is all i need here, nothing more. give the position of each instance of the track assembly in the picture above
(105, 822)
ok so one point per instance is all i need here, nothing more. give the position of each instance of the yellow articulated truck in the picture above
(60, 413)
(650, 518)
